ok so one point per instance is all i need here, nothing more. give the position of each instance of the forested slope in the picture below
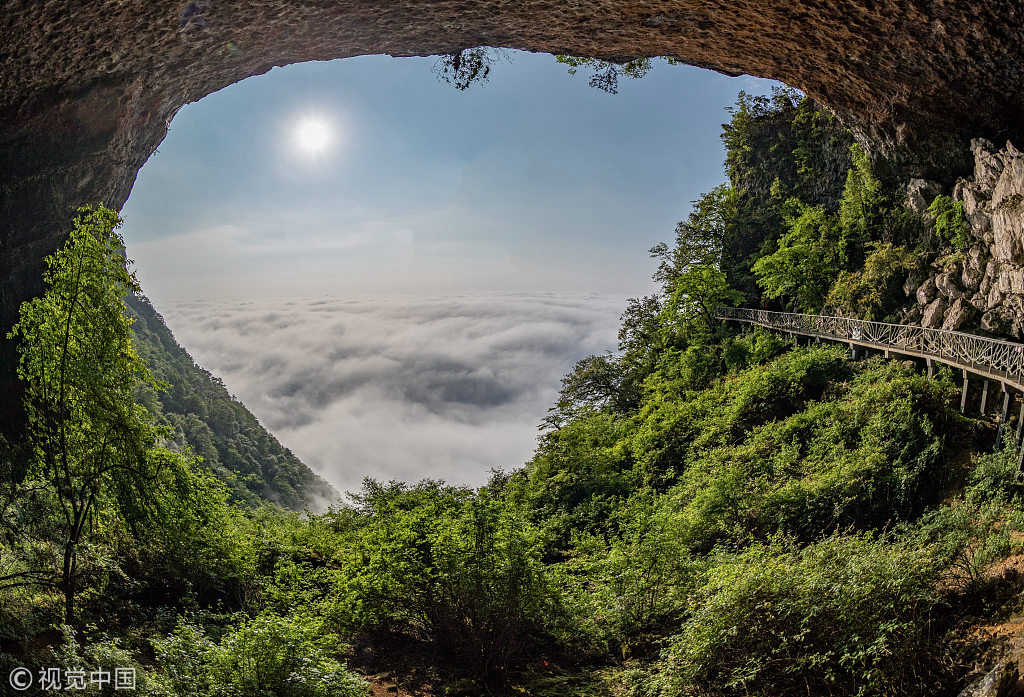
(217, 427)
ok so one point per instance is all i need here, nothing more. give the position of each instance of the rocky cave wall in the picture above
(87, 90)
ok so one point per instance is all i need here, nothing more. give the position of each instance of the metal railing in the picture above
(1003, 360)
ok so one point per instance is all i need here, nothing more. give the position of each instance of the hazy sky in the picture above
(533, 181)
(402, 301)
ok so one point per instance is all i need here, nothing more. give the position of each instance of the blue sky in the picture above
(534, 181)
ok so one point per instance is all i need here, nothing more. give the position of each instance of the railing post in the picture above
(963, 395)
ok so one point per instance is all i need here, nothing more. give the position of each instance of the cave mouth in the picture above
(441, 266)
(86, 98)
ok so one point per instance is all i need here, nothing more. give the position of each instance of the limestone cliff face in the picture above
(984, 284)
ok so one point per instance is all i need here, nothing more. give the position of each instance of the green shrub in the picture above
(869, 454)
(850, 615)
(622, 594)
(950, 224)
(967, 538)
(752, 348)
(103, 654)
(267, 656)
(873, 291)
(994, 475)
(453, 566)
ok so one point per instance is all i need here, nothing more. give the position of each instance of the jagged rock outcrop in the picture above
(986, 279)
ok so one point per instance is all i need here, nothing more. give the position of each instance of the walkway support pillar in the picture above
(984, 397)
(931, 368)
(1002, 417)
(963, 395)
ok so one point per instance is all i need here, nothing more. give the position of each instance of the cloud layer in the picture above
(399, 387)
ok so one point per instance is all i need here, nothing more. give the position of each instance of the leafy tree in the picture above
(696, 294)
(806, 262)
(594, 383)
(92, 444)
(699, 238)
(778, 147)
(457, 567)
(872, 292)
(606, 74)
(861, 208)
(472, 65)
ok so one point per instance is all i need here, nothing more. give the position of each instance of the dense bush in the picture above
(850, 615)
(267, 656)
(950, 224)
(457, 567)
(623, 591)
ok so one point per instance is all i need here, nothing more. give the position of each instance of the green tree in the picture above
(695, 296)
(606, 74)
(806, 262)
(457, 567)
(699, 238)
(874, 291)
(91, 443)
(469, 66)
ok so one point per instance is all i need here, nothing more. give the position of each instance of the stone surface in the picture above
(958, 315)
(997, 321)
(933, 314)
(1007, 235)
(994, 298)
(947, 285)
(990, 271)
(998, 682)
(911, 284)
(971, 278)
(926, 293)
(920, 194)
(987, 165)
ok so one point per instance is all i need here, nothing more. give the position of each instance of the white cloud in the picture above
(399, 387)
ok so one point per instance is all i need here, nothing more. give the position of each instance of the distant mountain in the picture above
(217, 427)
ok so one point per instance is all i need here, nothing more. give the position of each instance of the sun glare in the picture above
(313, 135)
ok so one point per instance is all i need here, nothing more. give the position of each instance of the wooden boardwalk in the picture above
(991, 360)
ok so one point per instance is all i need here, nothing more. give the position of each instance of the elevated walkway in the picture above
(992, 360)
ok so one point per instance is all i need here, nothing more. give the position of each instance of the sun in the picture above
(313, 135)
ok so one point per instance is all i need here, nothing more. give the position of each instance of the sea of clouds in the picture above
(399, 387)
